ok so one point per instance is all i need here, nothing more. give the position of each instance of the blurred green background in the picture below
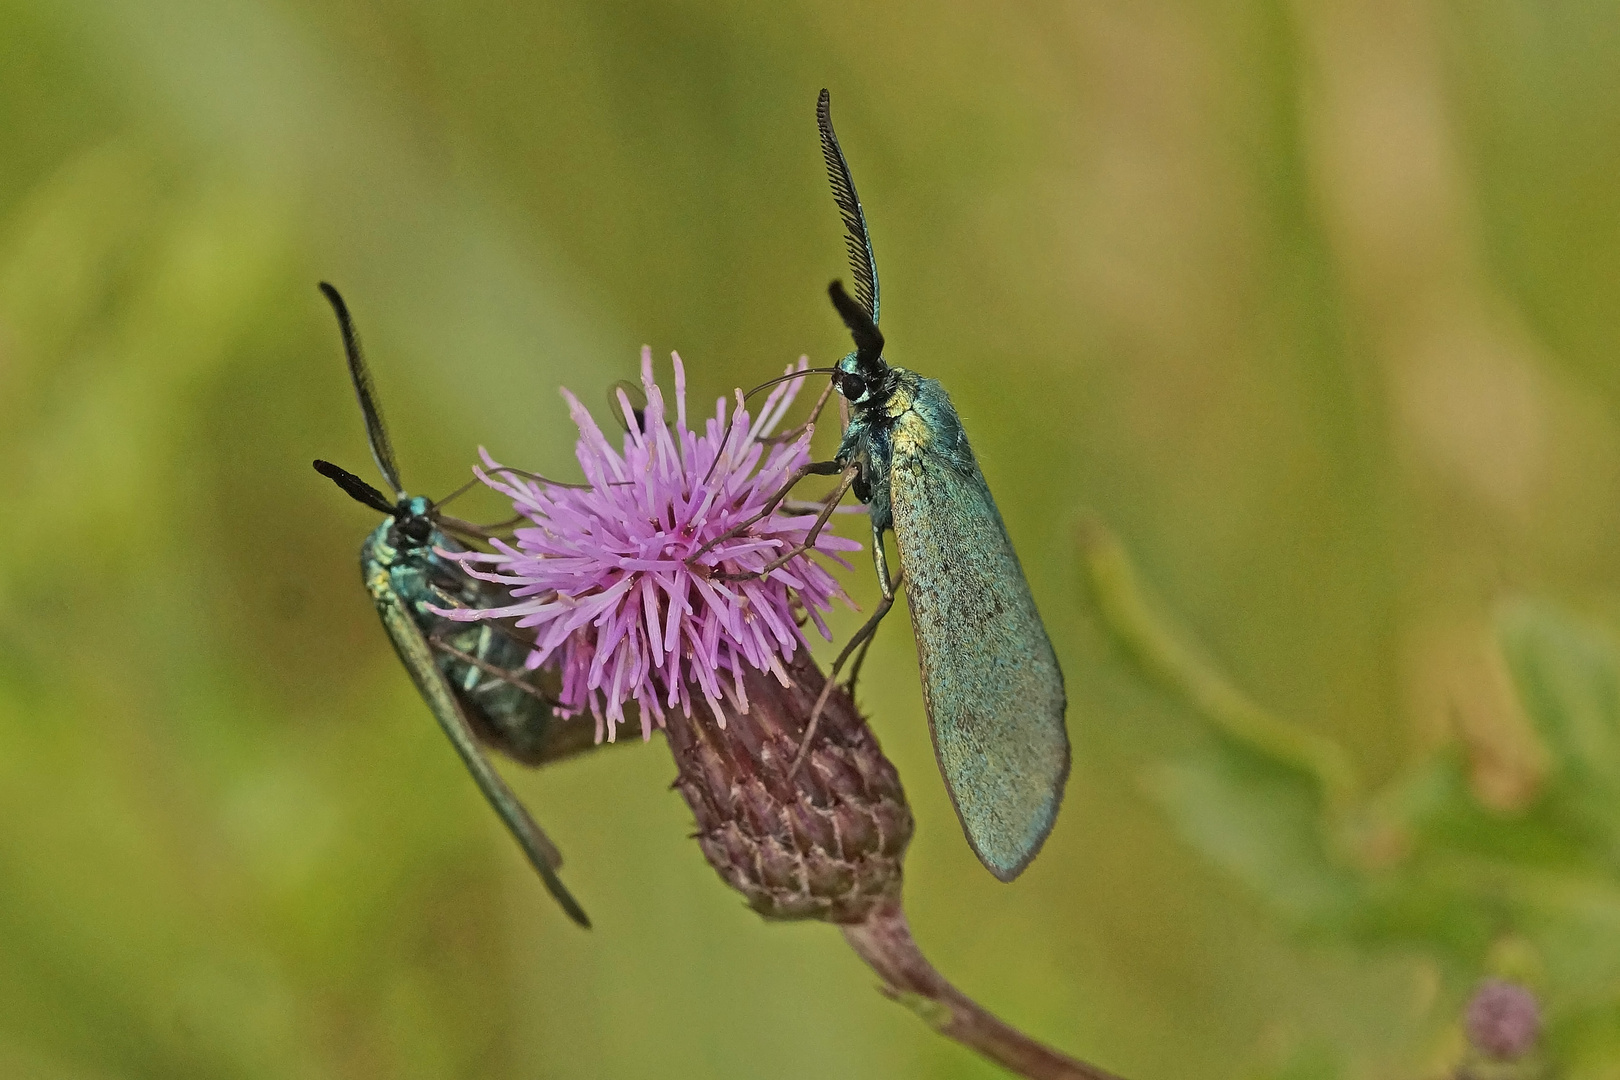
(1313, 305)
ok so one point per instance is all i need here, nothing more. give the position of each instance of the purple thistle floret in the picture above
(603, 577)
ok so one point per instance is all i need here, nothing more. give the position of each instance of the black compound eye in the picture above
(853, 387)
(416, 529)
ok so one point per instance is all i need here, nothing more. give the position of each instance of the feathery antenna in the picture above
(356, 488)
(856, 239)
(382, 451)
(862, 327)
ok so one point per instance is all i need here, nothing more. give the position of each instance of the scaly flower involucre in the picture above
(606, 576)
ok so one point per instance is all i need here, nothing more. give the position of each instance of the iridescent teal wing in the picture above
(418, 657)
(990, 679)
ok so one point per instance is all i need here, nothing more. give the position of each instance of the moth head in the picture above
(860, 383)
(414, 521)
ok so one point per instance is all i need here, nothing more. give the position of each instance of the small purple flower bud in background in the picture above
(606, 576)
(1503, 1020)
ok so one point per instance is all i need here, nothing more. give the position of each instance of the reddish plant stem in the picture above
(884, 941)
(826, 841)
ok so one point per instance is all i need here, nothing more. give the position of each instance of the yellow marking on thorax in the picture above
(900, 401)
(378, 582)
(910, 434)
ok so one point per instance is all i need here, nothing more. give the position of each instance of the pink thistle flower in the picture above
(604, 578)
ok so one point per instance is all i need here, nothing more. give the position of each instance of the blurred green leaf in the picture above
(1421, 863)
(1164, 655)
(1312, 1062)
(1261, 820)
(1567, 673)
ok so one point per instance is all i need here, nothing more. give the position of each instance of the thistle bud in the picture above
(824, 841)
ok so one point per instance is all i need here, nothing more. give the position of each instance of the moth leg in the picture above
(486, 667)
(860, 657)
(815, 414)
(811, 468)
(827, 509)
(482, 532)
(812, 506)
(801, 506)
(512, 633)
(862, 638)
(502, 627)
